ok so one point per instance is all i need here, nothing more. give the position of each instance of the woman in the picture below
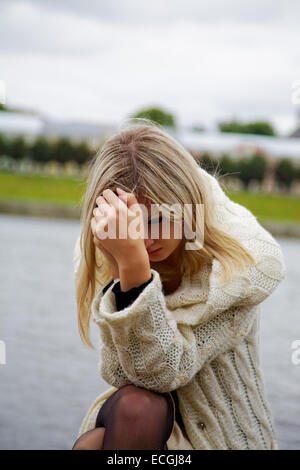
(179, 326)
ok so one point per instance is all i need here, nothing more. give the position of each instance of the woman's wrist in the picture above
(134, 273)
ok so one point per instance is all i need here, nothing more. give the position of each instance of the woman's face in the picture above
(168, 248)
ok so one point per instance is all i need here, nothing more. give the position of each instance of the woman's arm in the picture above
(135, 272)
(109, 366)
(156, 353)
(160, 354)
(111, 370)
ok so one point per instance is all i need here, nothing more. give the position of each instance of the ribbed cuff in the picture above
(104, 307)
(124, 299)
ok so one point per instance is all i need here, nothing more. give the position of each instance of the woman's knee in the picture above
(136, 403)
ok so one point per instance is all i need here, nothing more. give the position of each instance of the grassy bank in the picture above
(68, 192)
(39, 188)
(270, 207)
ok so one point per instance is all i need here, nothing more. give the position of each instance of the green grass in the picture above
(39, 188)
(68, 191)
(270, 207)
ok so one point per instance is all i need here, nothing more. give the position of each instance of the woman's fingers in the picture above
(98, 228)
(96, 239)
(110, 199)
(126, 213)
(114, 200)
(97, 212)
(93, 225)
(101, 200)
(128, 198)
(102, 204)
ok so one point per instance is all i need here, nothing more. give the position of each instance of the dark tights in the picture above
(135, 418)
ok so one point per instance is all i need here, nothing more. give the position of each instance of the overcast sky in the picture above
(103, 60)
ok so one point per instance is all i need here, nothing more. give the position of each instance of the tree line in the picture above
(62, 150)
(167, 119)
(252, 168)
(43, 149)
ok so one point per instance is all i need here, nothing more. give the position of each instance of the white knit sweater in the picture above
(202, 339)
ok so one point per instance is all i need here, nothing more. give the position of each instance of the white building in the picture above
(31, 126)
(216, 143)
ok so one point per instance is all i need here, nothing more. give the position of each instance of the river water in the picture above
(50, 379)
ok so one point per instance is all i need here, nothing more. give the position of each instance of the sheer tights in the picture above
(133, 418)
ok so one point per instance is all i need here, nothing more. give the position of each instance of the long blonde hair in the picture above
(143, 158)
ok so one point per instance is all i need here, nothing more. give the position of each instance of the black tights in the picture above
(135, 418)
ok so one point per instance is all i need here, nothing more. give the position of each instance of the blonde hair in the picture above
(143, 158)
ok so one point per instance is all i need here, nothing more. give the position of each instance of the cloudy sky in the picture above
(102, 60)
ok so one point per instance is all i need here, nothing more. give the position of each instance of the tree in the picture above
(260, 128)
(157, 115)
(63, 150)
(82, 152)
(256, 127)
(41, 150)
(207, 162)
(18, 148)
(3, 145)
(231, 126)
(257, 167)
(249, 169)
(285, 172)
(197, 129)
(227, 166)
(242, 168)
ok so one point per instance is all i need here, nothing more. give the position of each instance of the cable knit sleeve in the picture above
(162, 354)
(109, 354)
(109, 366)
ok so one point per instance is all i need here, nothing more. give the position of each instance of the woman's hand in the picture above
(108, 256)
(123, 218)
